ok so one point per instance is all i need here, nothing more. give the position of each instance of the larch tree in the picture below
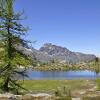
(97, 65)
(11, 36)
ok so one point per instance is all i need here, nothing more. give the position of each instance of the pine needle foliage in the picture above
(11, 36)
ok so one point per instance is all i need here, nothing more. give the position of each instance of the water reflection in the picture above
(83, 74)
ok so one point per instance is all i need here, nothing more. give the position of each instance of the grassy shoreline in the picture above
(49, 86)
(78, 88)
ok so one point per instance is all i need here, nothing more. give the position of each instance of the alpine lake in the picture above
(79, 74)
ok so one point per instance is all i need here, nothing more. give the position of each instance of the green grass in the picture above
(98, 83)
(91, 98)
(52, 85)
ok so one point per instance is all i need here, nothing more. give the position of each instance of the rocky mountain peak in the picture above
(53, 49)
(47, 44)
(49, 51)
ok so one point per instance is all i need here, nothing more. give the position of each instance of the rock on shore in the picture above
(40, 96)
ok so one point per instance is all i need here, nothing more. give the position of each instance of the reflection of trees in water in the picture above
(97, 65)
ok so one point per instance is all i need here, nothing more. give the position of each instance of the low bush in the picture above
(63, 94)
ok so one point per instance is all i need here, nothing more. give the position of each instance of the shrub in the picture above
(63, 94)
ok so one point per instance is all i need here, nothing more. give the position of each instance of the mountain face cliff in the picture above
(50, 52)
(64, 55)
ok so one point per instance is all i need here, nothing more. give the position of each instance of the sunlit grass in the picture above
(51, 85)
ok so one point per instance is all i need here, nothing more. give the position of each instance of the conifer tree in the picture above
(11, 36)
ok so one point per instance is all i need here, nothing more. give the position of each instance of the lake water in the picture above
(83, 74)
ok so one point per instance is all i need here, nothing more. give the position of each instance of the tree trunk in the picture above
(6, 85)
(9, 50)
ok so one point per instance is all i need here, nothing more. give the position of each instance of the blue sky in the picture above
(74, 24)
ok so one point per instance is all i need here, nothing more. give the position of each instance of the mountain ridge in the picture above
(50, 51)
